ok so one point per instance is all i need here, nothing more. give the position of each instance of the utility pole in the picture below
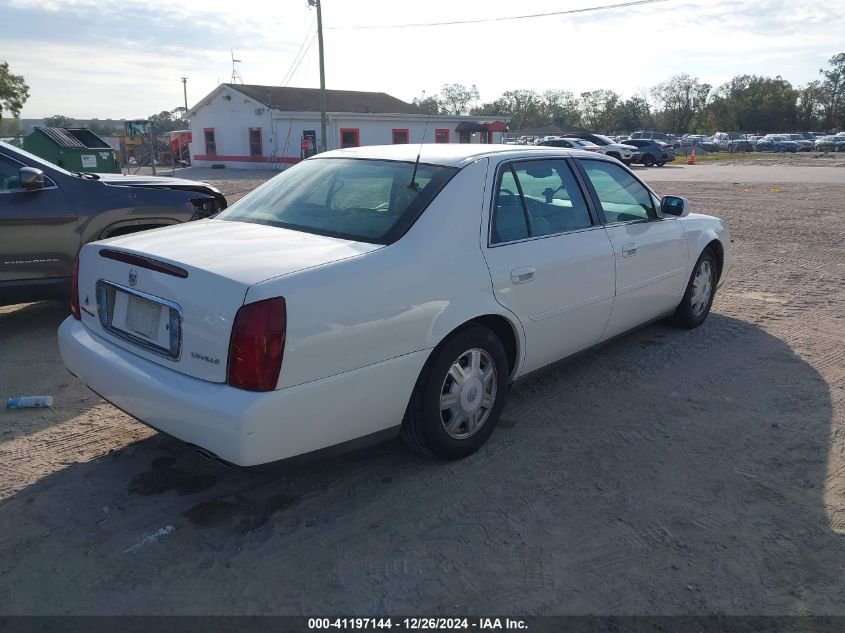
(185, 90)
(323, 138)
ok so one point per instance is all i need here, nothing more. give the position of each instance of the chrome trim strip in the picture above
(595, 227)
(146, 345)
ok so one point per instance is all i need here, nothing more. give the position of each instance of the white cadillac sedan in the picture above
(373, 289)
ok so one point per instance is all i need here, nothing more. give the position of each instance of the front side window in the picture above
(537, 198)
(622, 197)
(364, 200)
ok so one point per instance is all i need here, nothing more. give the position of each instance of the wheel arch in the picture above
(134, 226)
(715, 246)
(506, 327)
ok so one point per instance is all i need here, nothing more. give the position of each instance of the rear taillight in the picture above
(74, 292)
(593, 149)
(257, 345)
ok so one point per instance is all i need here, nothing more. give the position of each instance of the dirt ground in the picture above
(669, 472)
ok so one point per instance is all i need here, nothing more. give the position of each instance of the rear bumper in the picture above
(243, 427)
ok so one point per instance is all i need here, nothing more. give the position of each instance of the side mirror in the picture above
(675, 207)
(31, 178)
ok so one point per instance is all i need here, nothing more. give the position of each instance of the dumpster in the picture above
(75, 149)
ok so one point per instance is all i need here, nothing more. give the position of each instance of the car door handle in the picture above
(629, 250)
(523, 274)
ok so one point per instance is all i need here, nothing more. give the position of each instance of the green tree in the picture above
(681, 97)
(833, 92)
(10, 127)
(810, 111)
(560, 107)
(456, 99)
(13, 91)
(168, 120)
(632, 114)
(524, 107)
(59, 120)
(429, 105)
(597, 108)
(748, 103)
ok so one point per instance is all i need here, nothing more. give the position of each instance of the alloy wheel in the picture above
(702, 288)
(468, 394)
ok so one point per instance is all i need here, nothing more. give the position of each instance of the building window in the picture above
(441, 135)
(255, 141)
(400, 136)
(210, 142)
(350, 137)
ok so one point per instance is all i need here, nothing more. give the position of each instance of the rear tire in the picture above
(648, 160)
(660, 164)
(459, 395)
(701, 288)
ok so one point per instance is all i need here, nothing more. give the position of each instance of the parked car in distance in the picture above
(625, 153)
(830, 143)
(669, 139)
(776, 143)
(652, 152)
(699, 141)
(733, 141)
(570, 143)
(365, 291)
(804, 144)
(48, 213)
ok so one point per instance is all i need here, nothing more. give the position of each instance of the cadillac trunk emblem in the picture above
(133, 277)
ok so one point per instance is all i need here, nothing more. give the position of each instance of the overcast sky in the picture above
(103, 58)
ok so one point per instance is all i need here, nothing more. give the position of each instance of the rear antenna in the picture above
(413, 184)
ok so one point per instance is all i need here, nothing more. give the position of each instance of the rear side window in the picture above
(363, 200)
(537, 198)
(622, 197)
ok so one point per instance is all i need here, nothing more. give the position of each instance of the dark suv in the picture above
(652, 152)
(48, 213)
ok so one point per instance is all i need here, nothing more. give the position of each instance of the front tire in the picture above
(459, 395)
(701, 288)
(648, 160)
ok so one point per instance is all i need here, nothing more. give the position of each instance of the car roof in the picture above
(452, 154)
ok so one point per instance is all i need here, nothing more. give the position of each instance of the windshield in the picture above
(363, 200)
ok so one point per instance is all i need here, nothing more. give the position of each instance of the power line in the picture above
(297, 63)
(308, 36)
(621, 5)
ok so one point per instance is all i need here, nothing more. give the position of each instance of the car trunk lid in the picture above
(171, 295)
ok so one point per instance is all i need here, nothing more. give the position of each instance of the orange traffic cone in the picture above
(691, 160)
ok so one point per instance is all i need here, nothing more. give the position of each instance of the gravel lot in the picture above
(669, 472)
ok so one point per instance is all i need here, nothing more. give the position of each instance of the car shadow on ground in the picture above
(668, 472)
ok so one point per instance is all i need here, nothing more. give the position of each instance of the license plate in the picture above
(143, 317)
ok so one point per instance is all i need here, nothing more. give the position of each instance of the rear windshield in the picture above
(364, 200)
